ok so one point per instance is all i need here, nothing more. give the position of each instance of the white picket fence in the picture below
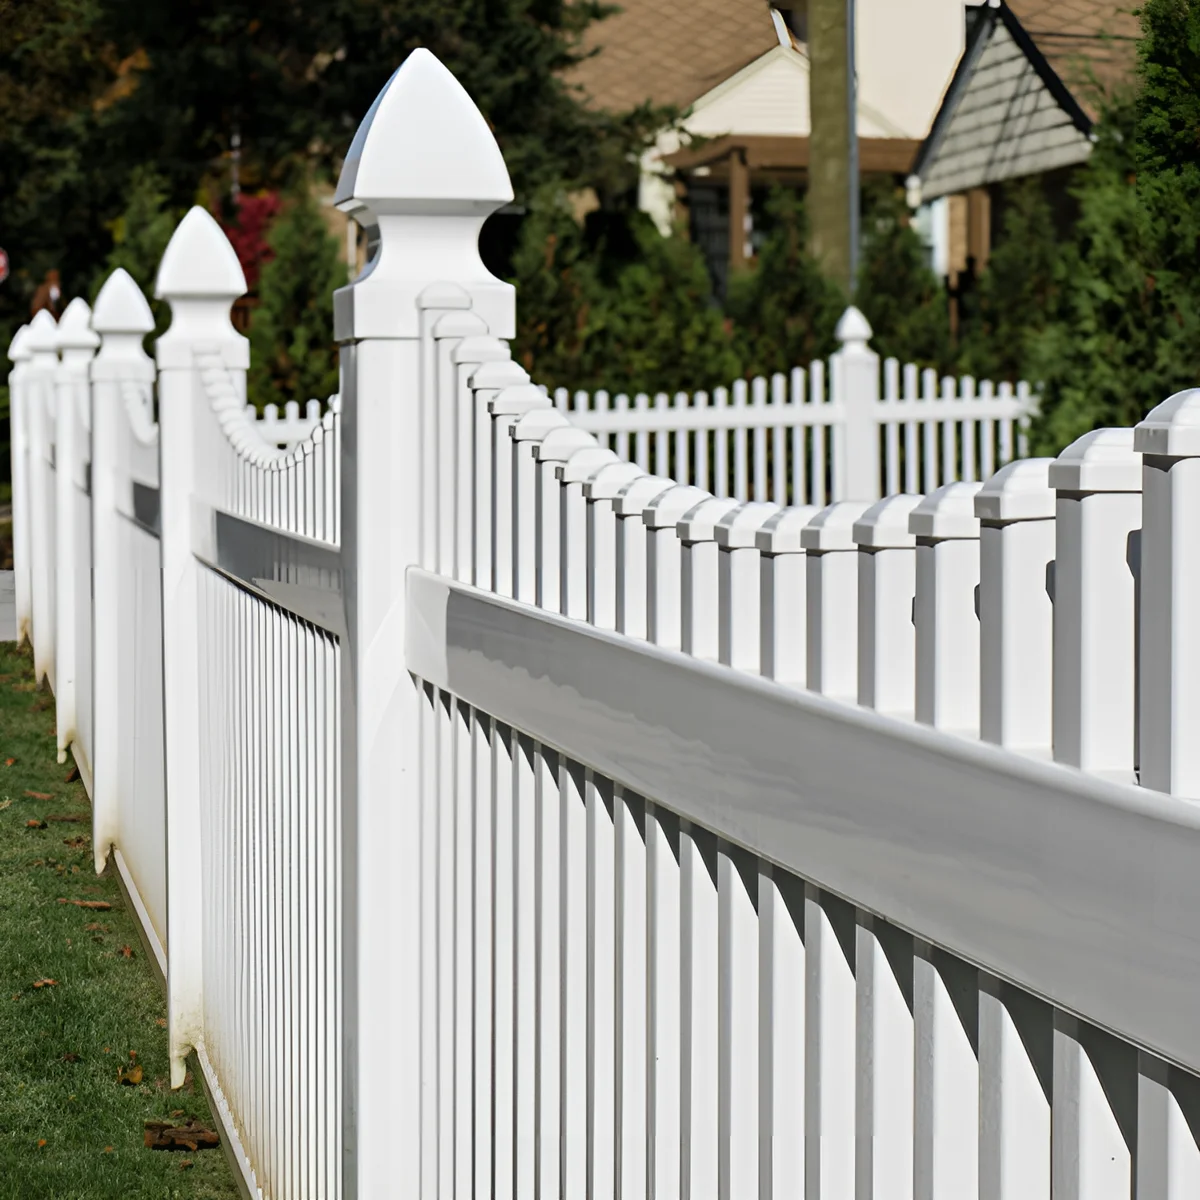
(519, 823)
(852, 427)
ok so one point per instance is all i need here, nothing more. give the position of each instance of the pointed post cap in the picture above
(1019, 491)
(18, 348)
(1103, 460)
(780, 533)
(423, 147)
(1173, 428)
(42, 335)
(121, 307)
(884, 526)
(199, 263)
(75, 329)
(738, 529)
(853, 328)
(947, 513)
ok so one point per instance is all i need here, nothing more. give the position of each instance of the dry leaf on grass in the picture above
(76, 843)
(101, 905)
(126, 951)
(41, 1142)
(72, 775)
(76, 820)
(108, 1149)
(162, 1022)
(10, 762)
(130, 1077)
(5, 805)
(40, 795)
(41, 983)
(185, 1164)
(162, 1135)
(70, 1057)
(35, 824)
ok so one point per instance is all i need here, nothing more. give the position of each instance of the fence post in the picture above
(121, 318)
(426, 172)
(76, 343)
(1169, 706)
(700, 630)
(18, 434)
(1016, 616)
(600, 491)
(632, 574)
(574, 578)
(887, 581)
(1098, 520)
(38, 404)
(200, 278)
(739, 639)
(856, 378)
(831, 595)
(664, 562)
(945, 612)
(783, 592)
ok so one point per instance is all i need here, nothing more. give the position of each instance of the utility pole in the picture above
(833, 183)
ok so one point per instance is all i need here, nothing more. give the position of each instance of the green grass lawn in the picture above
(69, 1130)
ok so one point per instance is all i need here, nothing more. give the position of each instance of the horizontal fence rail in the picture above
(787, 792)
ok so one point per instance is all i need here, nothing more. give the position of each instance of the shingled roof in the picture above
(1087, 42)
(671, 54)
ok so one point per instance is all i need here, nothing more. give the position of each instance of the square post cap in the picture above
(780, 533)
(738, 529)
(1019, 491)
(1103, 460)
(884, 526)
(833, 527)
(946, 514)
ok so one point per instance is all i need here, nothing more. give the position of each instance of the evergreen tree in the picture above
(898, 293)
(292, 356)
(1125, 330)
(784, 311)
(140, 235)
(660, 328)
(1016, 295)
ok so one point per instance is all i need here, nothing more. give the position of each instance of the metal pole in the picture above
(854, 196)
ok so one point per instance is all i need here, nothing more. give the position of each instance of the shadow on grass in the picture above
(68, 1129)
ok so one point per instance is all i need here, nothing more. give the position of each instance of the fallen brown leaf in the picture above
(100, 905)
(72, 775)
(41, 1142)
(108, 1149)
(177, 1112)
(75, 820)
(8, 762)
(35, 824)
(94, 925)
(185, 1164)
(75, 843)
(5, 805)
(41, 983)
(126, 951)
(161, 1135)
(130, 1077)
(40, 795)
(70, 1057)
(162, 1022)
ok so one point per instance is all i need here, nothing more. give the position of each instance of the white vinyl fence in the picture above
(852, 427)
(519, 823)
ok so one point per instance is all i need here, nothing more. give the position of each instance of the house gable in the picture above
(1006, 114)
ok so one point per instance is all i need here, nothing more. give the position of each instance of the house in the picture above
(739, 72)
(1022, 103)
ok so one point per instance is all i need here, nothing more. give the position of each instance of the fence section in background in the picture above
(831, 431)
